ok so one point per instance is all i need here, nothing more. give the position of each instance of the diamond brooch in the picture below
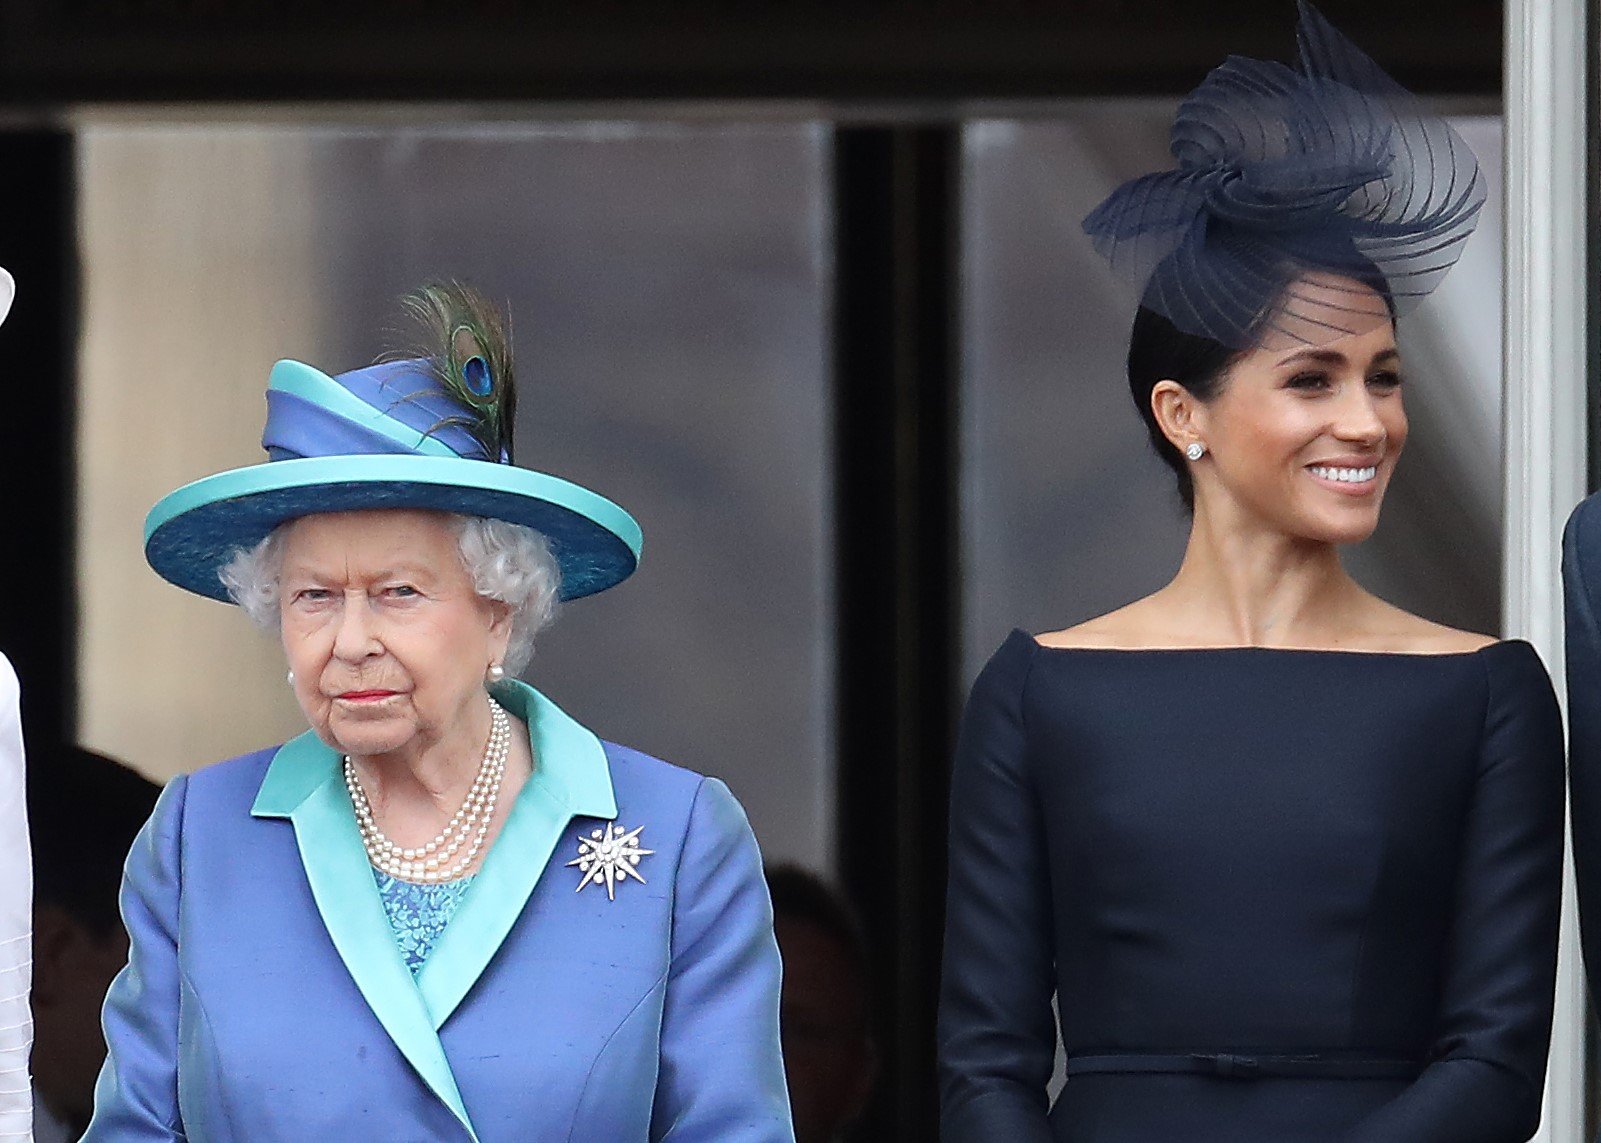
(609, 857)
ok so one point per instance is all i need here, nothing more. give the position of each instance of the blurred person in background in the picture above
(1581, 583)
(85, 810)
(448, 911)
(1276, 859)
(826, 1020)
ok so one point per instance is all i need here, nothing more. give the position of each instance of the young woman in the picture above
(1287, 858)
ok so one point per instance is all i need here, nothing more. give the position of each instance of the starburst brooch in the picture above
(610, 857)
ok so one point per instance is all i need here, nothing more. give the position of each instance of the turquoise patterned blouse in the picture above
(418, 914)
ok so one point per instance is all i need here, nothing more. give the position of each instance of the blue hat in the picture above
(429, 432)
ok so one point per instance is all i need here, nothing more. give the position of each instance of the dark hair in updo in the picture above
(1159, 351)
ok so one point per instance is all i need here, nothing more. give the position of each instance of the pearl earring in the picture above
(1195, 451)
(291, 678)
(496, 672)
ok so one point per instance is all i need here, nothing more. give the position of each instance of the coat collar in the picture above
(304, 783)
(571, 778)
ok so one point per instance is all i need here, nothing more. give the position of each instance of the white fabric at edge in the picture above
(16, 920)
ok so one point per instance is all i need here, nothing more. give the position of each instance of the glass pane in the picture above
(669, 289)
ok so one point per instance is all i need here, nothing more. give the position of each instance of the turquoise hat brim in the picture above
(191, 533)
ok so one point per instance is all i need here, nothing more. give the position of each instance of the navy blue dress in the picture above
(1276, 895)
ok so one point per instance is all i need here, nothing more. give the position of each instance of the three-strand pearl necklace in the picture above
(438, 860)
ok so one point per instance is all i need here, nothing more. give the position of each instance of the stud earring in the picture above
(496, 672)
(291, 678)
(1195, 450)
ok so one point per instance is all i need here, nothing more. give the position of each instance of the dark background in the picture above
(55, 50)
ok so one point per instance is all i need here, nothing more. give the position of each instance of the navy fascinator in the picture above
(1291, 185)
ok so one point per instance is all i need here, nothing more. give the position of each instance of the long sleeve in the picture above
(136, 1098)
(1488, 1064)
(1581, 584)
(997, 1034)
(721, 1078)
(16, 919)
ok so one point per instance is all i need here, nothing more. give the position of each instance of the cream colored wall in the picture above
(173, 364)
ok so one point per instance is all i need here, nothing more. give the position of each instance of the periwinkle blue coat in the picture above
(265, 999)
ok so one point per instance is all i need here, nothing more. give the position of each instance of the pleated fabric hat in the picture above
(430, 430)
(1292, 182)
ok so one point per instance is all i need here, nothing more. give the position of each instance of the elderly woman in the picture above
(448, 911)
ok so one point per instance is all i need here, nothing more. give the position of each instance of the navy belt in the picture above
(1229, 1066)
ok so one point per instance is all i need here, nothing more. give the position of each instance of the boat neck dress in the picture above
(1262, 894)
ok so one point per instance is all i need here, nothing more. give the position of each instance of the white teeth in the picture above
(1344, 475)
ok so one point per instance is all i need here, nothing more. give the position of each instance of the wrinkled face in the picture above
(1304, 437)
(388, 641)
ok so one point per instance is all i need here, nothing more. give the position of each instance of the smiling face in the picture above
(1303, 438)
(388, 641)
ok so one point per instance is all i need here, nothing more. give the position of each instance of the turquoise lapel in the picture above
(571, 778)
(303, 783)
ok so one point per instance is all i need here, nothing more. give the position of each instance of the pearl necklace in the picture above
(469, 827)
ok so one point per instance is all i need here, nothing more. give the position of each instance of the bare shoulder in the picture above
(1405, 633)
(1128, 628)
